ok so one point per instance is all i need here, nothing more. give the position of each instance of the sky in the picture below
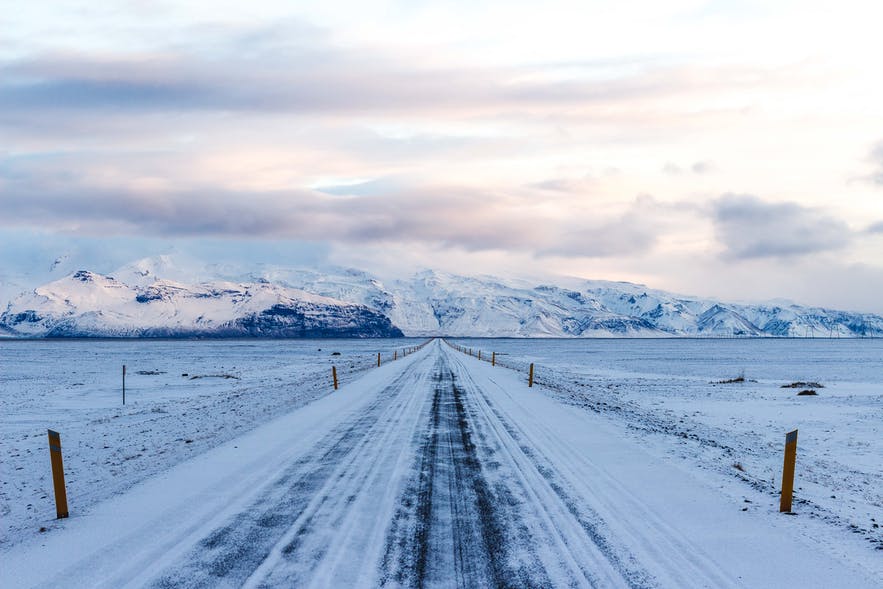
(722, 149)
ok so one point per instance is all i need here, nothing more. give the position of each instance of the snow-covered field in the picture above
(182, 398)
(618, 469)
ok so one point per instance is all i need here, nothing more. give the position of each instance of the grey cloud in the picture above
(672, 168)
(875, 227)
(634, 230)
(265, 71)
(751, 228)
(877, 158)
(701, 167)
(565, 185)
(382, 211)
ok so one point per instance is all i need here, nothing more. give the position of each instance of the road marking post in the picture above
(395, 354)
(124, 384)
(530, 376)
(378, 359)
(479, 354)
(334, 376)
(493, 358)
(788, 472)
(57, 474)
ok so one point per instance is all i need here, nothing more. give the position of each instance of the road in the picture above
(433, 471)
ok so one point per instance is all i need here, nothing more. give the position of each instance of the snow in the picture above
(90, 304)
(615, 469)
(164, 294)
(667, 394)
(75, 388)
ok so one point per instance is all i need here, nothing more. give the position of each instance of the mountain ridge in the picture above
(268, 301)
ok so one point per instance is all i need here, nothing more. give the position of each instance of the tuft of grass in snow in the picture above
(803, 385)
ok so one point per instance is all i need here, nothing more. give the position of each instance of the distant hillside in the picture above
(282, 302)
(85, 304)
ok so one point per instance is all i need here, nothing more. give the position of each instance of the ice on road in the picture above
(433, 471)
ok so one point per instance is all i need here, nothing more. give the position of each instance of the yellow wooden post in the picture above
(788, 471)
(334, 376)
(378, 358)
(57, 474)
(530, 376)
(493, 358)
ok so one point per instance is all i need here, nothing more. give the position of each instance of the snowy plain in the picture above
(616, 469)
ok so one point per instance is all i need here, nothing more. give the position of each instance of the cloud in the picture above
(701, 167)
(293, 68)
(874, 228)
(384, 210)
(876, 158)
(751, 228)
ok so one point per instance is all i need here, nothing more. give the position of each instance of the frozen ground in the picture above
(439, 470)
(75, 388)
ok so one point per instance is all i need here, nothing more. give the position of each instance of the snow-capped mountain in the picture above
(88, 304)
(438, 303)
(154, 297)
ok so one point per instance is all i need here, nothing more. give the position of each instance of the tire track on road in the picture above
(685, 563)
(232, 552)
(575, 548)
(454, 528)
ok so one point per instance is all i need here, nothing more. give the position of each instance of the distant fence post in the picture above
(124, 384)
(479, 354)
(395, 354)
(334, 376)
(57, 474)
(378, 359)
(493, 358)
(530, 376)
(788, 471)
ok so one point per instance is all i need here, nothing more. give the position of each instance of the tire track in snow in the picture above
(449, 530)
(574, 549)
(479, 513)
(232, 553)
(685, 564)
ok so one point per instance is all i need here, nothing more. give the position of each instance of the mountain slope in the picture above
(286, 302)
(86, 304)
(431, 303)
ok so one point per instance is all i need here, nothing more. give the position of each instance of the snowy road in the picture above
(434, 471)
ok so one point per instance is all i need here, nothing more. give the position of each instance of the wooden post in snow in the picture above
(788, 472)
(57, 474)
